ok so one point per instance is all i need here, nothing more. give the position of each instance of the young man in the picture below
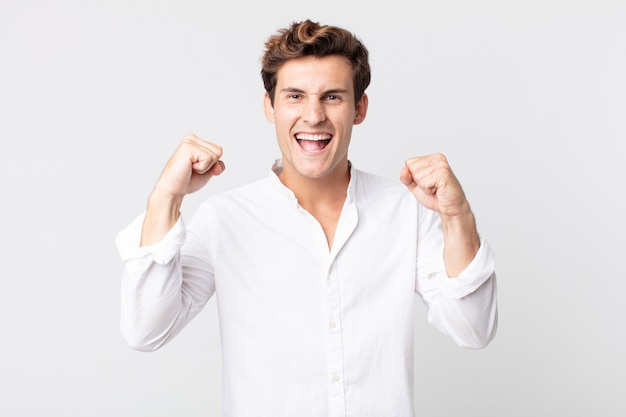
(316, 267)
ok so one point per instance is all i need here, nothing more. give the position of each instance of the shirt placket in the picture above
(336, 371)
(336, 392)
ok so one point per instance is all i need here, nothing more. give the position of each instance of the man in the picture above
(316, 267)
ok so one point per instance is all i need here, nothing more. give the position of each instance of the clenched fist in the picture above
(190, 167)
(434, 185)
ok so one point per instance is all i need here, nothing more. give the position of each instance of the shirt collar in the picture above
(277, 184)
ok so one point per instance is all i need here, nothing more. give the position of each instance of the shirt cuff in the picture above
(128, 242)
(473, 276)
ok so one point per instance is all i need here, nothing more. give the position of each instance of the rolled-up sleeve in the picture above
(155, 304)
(464, 307)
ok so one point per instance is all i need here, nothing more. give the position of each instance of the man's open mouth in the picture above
(313, 142)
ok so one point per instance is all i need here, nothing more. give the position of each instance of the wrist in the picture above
(164, 202)
(162, 213)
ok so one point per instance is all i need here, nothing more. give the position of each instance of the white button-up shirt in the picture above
(307, 331)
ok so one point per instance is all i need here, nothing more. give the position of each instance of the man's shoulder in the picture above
(370, 176)
(374, 190)
(371, 182)
(253, 193)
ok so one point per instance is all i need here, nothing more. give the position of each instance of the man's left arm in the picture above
(463, 308)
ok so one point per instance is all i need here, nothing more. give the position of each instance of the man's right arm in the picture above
(157, 301)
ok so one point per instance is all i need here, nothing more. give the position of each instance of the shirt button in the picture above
(332, 324)
(336, 378)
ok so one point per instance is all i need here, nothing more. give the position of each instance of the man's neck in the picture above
(312, 192)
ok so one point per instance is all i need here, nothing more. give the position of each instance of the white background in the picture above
(526, 98)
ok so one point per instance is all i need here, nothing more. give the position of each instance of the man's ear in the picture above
(361, 110)
(269, 109)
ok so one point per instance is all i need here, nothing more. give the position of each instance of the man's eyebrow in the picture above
(324, 93)
(336, 91)
(291, 90)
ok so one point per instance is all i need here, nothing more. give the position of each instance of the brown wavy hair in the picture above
(308, 38)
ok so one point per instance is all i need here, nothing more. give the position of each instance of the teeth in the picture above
(308, 136)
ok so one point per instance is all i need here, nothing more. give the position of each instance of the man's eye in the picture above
(293, 96)
(332, 98)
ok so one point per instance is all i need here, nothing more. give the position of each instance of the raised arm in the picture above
(464, 308)
(157, 301)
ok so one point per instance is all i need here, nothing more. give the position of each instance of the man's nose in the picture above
(313, 111)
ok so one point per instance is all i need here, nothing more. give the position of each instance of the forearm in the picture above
(461, 241)
(161, 215)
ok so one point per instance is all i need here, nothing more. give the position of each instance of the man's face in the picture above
(314, 112)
